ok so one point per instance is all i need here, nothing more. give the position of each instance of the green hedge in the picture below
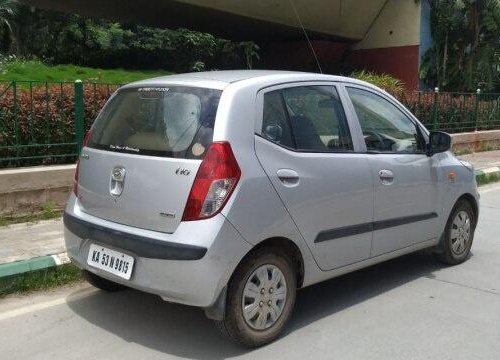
(39, 113)
(43, 113)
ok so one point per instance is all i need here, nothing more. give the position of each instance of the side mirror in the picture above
(438, 142)
(274, 132)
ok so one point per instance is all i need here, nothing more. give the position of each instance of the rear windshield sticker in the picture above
(153, 92)
(126, 148)
(198, 149)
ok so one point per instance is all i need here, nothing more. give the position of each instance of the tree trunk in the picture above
(475, 27)
(445, 61)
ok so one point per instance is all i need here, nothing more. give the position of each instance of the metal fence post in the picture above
(79, 116)
(16, 118)
(476, 110)
(435, 109)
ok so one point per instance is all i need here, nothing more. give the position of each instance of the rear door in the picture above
(406, 181)
(305, 146)
(143, 153)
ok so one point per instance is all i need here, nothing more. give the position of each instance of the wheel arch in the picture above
(473, 202)
(289, 248)
(443, 250)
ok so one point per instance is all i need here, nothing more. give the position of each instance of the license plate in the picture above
(110, 261)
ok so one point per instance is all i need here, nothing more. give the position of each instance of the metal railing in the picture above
(44, 122)
(454, 112)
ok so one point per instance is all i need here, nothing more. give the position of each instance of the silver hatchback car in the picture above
(230, 190)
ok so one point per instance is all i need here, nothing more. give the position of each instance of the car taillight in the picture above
(87, 137)
(86, 140)
(215, 181)
(75, 179)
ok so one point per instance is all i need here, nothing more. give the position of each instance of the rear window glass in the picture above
(158, 121)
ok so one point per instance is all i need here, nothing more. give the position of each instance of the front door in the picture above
(406, 193)
(306, 149)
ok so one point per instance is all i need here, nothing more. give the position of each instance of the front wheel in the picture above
(260, 298)
(458, 235)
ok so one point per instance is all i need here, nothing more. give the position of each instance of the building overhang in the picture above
(340, 20)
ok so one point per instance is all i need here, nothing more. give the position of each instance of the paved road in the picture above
(408, 308)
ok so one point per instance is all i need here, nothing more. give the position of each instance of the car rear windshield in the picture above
(157, 121)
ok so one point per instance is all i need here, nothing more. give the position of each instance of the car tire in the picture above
(271, 313)
(102, 283)
(456, 241)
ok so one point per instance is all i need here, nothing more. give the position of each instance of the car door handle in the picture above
(288, 177)
(386, 176)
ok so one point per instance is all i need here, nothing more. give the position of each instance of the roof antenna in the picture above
(305, 34)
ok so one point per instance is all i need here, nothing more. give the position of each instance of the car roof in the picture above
(222, 78)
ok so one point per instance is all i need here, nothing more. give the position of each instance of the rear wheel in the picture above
(260, 298)
(458, 236)
(102, 283)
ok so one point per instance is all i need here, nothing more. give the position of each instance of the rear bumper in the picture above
(140, 245)
(190, 266)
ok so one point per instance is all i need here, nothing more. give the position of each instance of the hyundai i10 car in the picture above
(230, 190)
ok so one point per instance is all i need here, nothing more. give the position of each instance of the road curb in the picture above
(488, 175)
(37, 263)
(483, 176)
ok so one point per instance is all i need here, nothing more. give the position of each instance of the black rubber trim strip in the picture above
(344, 232)
(140, 245)
(371, 226)
(384, 224)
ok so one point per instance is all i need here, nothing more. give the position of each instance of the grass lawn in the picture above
(48, 212)
(35, 70)
(40, 280)
(485, 179)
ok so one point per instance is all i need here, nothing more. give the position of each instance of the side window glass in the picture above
(275, 125)
(385, 127)
(317, 118)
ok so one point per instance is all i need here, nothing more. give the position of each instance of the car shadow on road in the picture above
(185, 331)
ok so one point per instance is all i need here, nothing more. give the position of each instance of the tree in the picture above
(251, 51)
(8, 11)
(59, 38)
(466, 45)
